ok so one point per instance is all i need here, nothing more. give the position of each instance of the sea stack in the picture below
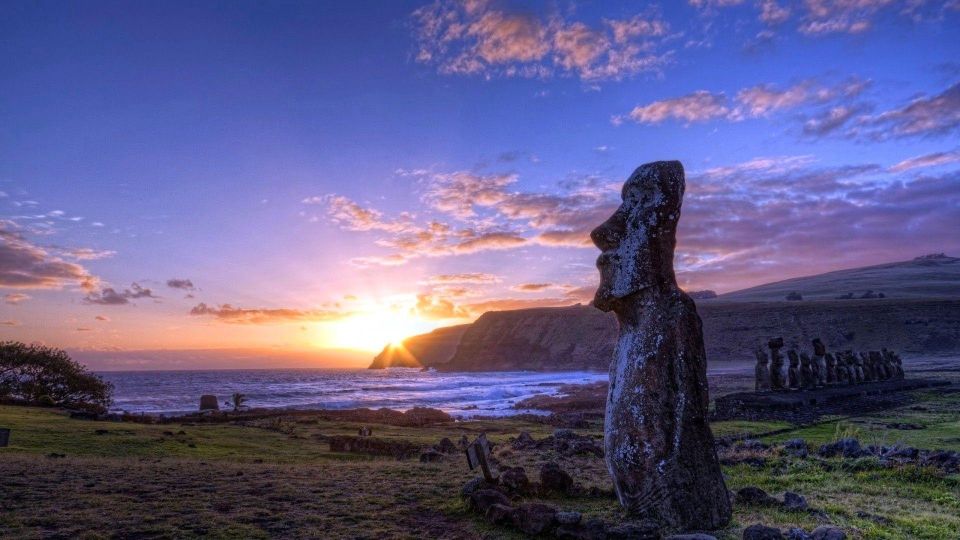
(659, 448)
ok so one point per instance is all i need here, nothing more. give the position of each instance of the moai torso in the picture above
(761, 371)
(831, 368)
(808, 375)
(658, 445)
(793, 374)
(777, 379)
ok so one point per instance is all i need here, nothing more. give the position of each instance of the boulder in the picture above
(500, 514)
(209, 402)
(515, 481)
(796, 533)
(847, 447)
(553, 478)
(445, 446)
(796, 447)
(762, 532)
(569, 518)
(483, 499)
(828, 532)
(794, 502)
(754, 496)
(476, 484)
(523, 441)
(430, 456)
(535, 518)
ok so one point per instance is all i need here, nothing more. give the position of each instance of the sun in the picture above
(372, 330)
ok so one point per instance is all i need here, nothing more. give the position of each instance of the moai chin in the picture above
(659, 447)
(761, 371)
(777, 380)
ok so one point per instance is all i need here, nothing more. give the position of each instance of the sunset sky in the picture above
(312, 176)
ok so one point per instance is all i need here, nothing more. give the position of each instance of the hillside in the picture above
(919, 315)
(930, 276)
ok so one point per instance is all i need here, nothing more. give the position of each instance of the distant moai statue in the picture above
(831, 368)
(858, 367)
(808, 374)
(793, 374)
(884, 367)
(819, 358)
(849, 363)
(869, 368)
(898, 365)
(762, 371)
(777, 379)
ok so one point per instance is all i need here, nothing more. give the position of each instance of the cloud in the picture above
(533, 287)
(235, 315)
(928, 160)
(89, 254)
(469, 277)
(9, 322)
(24, 265)
(773, 13)
(102, 318)
(488, 241)
(699, 106)
(182, 284)
(473, 38)
(354, 217)
(15, 298)
(111, 297)
(924, 116)
(433, 307)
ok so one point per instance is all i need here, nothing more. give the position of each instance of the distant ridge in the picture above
(928, 277)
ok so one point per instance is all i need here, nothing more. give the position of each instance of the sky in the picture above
(331, 177)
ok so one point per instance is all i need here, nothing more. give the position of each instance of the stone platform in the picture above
(808, 405)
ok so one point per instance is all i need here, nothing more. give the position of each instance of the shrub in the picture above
(46, 375)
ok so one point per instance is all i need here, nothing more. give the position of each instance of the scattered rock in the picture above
(534, 518)
(474, 485)
(752, 495)
(553, 478)
(483, 499)
(905, 426)
(630, 531)
(902, 452)
(373, 446)
(593, 529)
(947, 460)
(569, 518)
(445, 446)
(500, 514)
(430, 456)
(54, 455)
(874, 518)
(762, 532)
(514, 480)
(796, 533)
(794, 502)
(209, 402)
(848, 447)
(796, 447)
(691, 536)
(523, 441)
(828, 532)
(102, 431)
(753, 444)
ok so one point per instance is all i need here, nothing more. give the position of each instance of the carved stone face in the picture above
(637, 241)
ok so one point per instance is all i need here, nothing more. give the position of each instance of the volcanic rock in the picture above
(553, 478)
(483, 499)
(755, 496)
(515, 481)
(658, 445)
(535, 518)
(828, 532)
(500, 514)
(762, 532)
(794, 502)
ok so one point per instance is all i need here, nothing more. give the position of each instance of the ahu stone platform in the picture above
(808, 405)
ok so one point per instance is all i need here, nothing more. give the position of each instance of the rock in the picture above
(373, 446)
(796, 533)
(947, 460)
(874, 518)
(483, 499)
(902, 452)
(523, 441)
(658, 445)
(535, 518)
(430, 456)
(762, 532)
(593, 529)
(752, 495)
(500, 514)
(796, 447)
(631, 531)
(691, 536)
(569, 518)
(209, 403)
(828, 532)
(445, 446)
(794, 502)
(515, 481)
(848, 447)
(476, 484)
(753, 444)
(553, 478)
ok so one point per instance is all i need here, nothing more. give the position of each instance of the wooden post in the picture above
(478, 455)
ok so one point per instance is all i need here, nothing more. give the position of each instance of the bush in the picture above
(45, 375)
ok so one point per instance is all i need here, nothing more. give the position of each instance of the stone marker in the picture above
(659, 448)
(762, 371)
(4, 437)
(209, 403)
(478, 455)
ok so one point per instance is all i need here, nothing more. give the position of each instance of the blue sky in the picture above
(314, 169)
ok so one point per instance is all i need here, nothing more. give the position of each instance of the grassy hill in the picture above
(927, 277)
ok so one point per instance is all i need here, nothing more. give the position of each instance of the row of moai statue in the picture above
(824, 368)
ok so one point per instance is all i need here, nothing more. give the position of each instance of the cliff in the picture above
(583, 338)
(430, 349)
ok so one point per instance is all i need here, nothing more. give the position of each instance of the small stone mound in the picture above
(482, 500)
(555, 479)
(535, 518)
(514, 480)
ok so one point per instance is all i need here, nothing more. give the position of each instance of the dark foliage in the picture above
(47, 376)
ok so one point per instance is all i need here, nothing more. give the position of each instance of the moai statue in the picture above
(886, 367)
(762, 371)
(658, 445)
(819, 358)
(869, 368)
(858, 367)
(808, 376)
(777, 379)
(897, 365)
(831, 368)
(793, 374)
(845, 368)
(851, 365)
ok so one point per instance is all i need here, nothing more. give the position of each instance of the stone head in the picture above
(638, 240)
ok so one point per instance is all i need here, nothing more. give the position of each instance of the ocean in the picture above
(460, 394)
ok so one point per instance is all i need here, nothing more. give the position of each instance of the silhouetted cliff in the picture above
(429, 349)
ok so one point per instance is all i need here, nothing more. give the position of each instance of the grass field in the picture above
(276, 477)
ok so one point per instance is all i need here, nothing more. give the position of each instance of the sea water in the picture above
(460, 394)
